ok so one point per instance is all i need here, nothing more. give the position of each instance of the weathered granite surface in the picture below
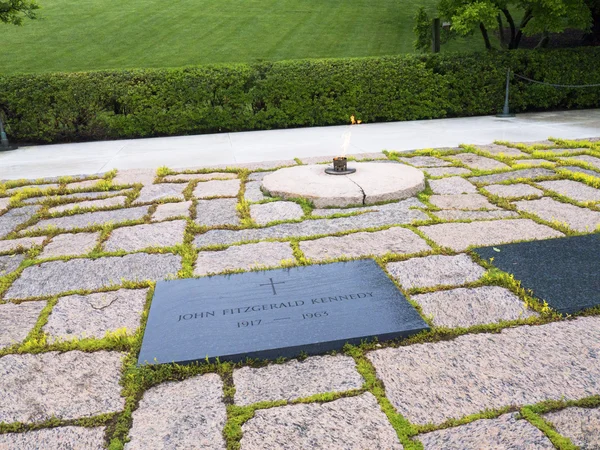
(461, 201)
(581, 425)
(253, 193)
(89, 204)
(226, 188)
(513, 190)
(270, 212)
(91, 218)
(70, 244)
(425, 161)
(457, 214)
(576, 218)
(10, 263)
(134, 176)
(573, 189)
(60, 438)
(138, 237)
(154, 192)
(15, 217)
(201, 176)
(16, 321)
(479, 162)
(591, 160)
(452, 185)
(217, 212)
(527, 174)
(23, 243)
(167, 210)
(496, 149)
(442, 171)
(580, 170)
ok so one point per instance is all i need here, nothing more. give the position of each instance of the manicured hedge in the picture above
(66, 107)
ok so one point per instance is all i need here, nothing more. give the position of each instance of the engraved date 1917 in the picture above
(249, 323)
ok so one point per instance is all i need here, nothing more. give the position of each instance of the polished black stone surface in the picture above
(564, 272)
(268, 314)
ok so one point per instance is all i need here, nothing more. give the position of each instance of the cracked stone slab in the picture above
(218, 212)
(513, 190)
(217, 188)
(169, 210)
(462, 201)
(88, 204)
(452, 185)
(138, 237)
(134, 176)
(434, 382)
(495, 149)
(63, 438)
(460, 236)
(10, 245)
(394, 240)
(573, 189)
(474, 161)
(15, 217)
(505, 432)
(162, 191)
(296, 379)
(443, 171)
(10, 263)
(464, 307)
(581, 425)
(245, 257)
(576, 218)
(528, 174)
(351, 422)
(435, 270)
(270, 212)
(66, 385)
(16, 321)
(54, 277)
(85, 220)
(70, 244)
(580, 170)
(389, 214)
(456, 214)
(185, 414)
(94, 315)
(425, 161)
(200, 176)
(534, 162)
(253, 193)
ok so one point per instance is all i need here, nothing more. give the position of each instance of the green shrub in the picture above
(66, 107)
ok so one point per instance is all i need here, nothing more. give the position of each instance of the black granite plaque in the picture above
(283, 312)
(564, 272)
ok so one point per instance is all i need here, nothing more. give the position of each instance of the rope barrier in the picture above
(556, 85)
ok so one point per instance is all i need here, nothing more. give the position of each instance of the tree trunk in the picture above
(528, 16)
(486, 38)
(513, 30)
(501, 32)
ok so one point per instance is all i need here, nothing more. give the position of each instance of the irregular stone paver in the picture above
(556, 150)
(425, 161)
(63, 385)
(576, 218)
(70, 244)
(75, 196)
(395, 240)
(24, 243)
(270, 212)
(390, 214)
(93, 315)
(452, 185)
(134, 176)
(296, 379)
(10, 263)
(91, 218)
(245, 257)
(226, 188)
(4, 202)
(15, 217)
(455, 214)
(461, 201)
(54, 277)
(167, 210)
(42, 187)
(442, 171)
(467, 307)
(138, 237)
(89, 204)
(433, 382)
(257, 176)
(325, 212)
(186, 414)
(513, 190)
(496, 149)
(83, 184)
(352, 422)
(527, 174)
(201, 176)
(16, 321)
(459, 236)
(504, 432)
(217, 212)
(479, 162)
(436, 270)
(253, 193)
(367, 156)
(154, 192)
(534, 162)
(581, 425)
(60, 438)
(580, 170)
(577, 191)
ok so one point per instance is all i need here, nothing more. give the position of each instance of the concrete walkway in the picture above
(253, 146)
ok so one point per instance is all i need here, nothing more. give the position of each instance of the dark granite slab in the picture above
(275, 313)
(564, 272)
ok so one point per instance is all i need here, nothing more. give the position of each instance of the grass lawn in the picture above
(108, 34)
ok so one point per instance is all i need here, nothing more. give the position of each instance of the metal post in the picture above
(506, 110)
(436, 35)
(4, 145)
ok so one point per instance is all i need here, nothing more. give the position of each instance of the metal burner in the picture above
(340, 167)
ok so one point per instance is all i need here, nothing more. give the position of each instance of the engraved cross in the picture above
(272, 284)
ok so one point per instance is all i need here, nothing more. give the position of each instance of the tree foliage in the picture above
(422, 30)
(14, 11)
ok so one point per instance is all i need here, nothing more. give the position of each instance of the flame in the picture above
(348, 135)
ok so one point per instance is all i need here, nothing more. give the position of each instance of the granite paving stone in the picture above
(134, 176)
(58, 385)
(347, 423)
(580, 170)
(576, 218)
(16, 321)
(456, 214)
(162, 191)
(245, 257)
(90, 219)
(325, 212)
(527, 174)
(76, 196)
(513, 190)
(474, 161)
(442, 171)
(394, 240)
(581, 425)
(533, 162)
(435, 270)
(70, 244)
(367, 156)
(452, 185)
(138, 237)
(257, 176)
(186, 414)
(15, 217)
(54, 277)
(168, 210)
(93, 315)
(505, 432)
(218, 212)
(460, 236)
(270, 212)
(42, 187)
(573, 189)
(434, 382)
(86, 184)
(253, 193)
(10, 245)
(10, 263)
(201, 176)
(4, 202)
(425, 161)
(59, 438)
(89, 204)
(217, 188)
(461, 201)
(296, 379)
(558, 150)
(465, 307)
(496, 149)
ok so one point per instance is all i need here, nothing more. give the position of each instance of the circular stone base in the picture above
(371, 183)
(348, 171)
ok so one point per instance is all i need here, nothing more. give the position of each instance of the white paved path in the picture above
(253, 146)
